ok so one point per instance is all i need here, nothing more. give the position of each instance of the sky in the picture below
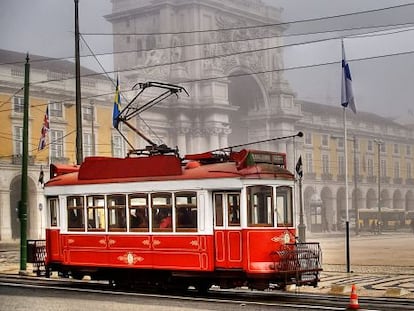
(382, 83)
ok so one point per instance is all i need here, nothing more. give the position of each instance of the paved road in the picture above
(382, 265)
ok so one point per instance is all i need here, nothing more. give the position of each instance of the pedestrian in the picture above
(374, 227)
(412, 225)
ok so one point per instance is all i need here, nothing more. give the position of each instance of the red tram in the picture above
(222, 219)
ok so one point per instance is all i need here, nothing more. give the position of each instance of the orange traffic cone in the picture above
(353, 303)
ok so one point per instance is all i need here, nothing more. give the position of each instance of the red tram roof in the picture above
(97, 170)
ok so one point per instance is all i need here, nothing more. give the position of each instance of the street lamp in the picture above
(379, 142)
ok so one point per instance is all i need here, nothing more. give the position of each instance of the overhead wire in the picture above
(242, 52)
(237, 28)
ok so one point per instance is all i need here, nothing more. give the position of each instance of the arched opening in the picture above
(316, 213)
(32, 208)
(397, 200)
(409, 201)
(245, 94)
(328, 214)
(371, 201)
(307, 195)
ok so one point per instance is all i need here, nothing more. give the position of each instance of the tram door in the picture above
(227, 230)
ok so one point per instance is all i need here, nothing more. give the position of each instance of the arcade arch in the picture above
(246, 94)
(32, 209)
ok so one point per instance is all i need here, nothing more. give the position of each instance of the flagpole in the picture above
(348, 268)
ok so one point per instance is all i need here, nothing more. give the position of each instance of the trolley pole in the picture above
(23, 198)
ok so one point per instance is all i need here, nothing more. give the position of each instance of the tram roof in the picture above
(103, 170)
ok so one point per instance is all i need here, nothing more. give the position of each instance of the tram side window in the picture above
(218, 208)
(186, 211)
(138, 212)
(116, 204)
(161, 211)
(96, 212)
(284, 206)
(75, 209)
(53, 211)
(233, 206)
(259, 206)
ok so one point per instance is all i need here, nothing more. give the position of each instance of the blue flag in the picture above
(347, 94)
(117, 105)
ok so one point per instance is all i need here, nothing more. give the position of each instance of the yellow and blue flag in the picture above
(117, 105)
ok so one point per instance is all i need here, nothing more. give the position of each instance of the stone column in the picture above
(182, 140)
(214, 137)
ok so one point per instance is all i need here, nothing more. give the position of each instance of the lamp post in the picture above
(355, 187)
(379, 143)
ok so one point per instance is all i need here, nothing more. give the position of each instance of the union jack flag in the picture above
(44, 130)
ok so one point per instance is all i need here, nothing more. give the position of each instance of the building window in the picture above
(117, 147)
(356, 143)
(382, 147)
(18, 104)
(356, 168)
(396, 169)
(370, 146)
(408, 150)
(309, 163)
(408, 167)
(341, 165)
(150, 43)
(308, 138)
(340, 143)
(56, 143)
(370, 167)
(18, 139)
(139, 48)
(325, 140)
(325, 164)
(396, 149)
(87, 113)
(55, 109)
(87, 145)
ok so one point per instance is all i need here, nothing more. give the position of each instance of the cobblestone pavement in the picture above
(381, 265)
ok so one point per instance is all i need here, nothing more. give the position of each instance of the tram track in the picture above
(295, 301)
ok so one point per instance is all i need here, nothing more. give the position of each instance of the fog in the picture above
(381, 62)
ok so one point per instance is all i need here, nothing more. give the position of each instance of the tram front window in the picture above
(259, 206)
(284, 206)
(75, 210)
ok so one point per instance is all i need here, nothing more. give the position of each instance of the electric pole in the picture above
(25, 158)
(79, 143)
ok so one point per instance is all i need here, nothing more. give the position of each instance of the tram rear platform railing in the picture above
(36, 255)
